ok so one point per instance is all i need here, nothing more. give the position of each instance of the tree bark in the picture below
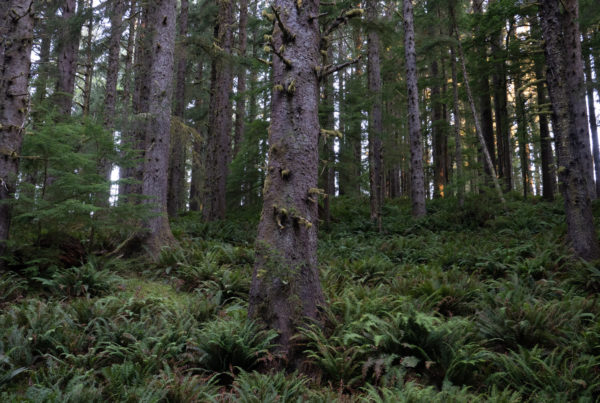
(593, 123)
(176, 181)
(457, 137)
(546, 155)
(414, 120)
(501, 114)
(327, 173)
(570, 146)
(16, 39)
(522, 137)
(112, 70)
(376, 182)
(158, 123)
(88, 74)
(219, 124)
(68, 50)
(286, 292)
(440, 141)
(197, 180)
(240, 105)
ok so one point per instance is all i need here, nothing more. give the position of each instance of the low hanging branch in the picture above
(330, 69)
(288, 36)
(342, 19)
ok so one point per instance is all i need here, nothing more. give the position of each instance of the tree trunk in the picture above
(197, 180)
(240, 105)
(375, 117)
(457, 137)
(478, 129)
(126, 81)
(16, 39)
(326, 177)
(440, 141)
(414, 120)
(546, 155)
(576, 83)
(593, 123)
(68, 50)
(501, 113)
(88, 74)
(219, 123)
(570, 146)
(286, 292)
(158, 123)
(112, 70)
(522, 137)
(176, 181)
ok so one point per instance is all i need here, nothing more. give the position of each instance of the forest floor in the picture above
(469, 304)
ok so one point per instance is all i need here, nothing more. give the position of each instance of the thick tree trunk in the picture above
(68, 50)
(158, 123)
(16, 39)
(240, 105)
(571, 148)
(218, 144)
(414, 120)
(546, 155)
(457, 137)
(176, 181)
(286, 292)
(593, 123)
(576, 84)
(376, 182)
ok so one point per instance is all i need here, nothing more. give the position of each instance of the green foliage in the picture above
(226, 344)
(254, 387)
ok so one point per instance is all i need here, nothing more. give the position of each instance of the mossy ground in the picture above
(469, 304)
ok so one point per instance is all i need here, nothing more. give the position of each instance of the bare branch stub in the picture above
(327, 70)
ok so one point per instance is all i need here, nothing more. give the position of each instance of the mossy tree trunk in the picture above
(417, 181)
(16, 38)
(158, 123)
(593, 122)
(240, 105)
(286, 292)
(562, 60)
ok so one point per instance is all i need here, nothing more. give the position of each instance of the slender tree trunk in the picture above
(126, 81)
(572, 170)
(176, 181)
(326, 173)
(593, 123)
(68, 50)
(112, 70)
(219, 124)
(240, 105)
(16, 39)
(522, 137)
(88, 74)
(197, 181)
(546, 155)
(440, 141)
(414, 120)
(501, 113)
(158, 123)
(376, 182)
(457, 137)
(286, 292)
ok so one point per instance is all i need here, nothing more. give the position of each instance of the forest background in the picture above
(299, 200)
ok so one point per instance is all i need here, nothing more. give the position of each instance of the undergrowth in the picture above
(468, 304)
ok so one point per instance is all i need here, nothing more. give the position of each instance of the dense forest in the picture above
(299, 200)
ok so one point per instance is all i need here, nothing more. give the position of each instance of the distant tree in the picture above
(68, 51)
